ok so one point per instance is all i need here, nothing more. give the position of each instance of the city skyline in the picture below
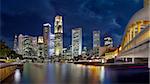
(75, 41)
(87, 18)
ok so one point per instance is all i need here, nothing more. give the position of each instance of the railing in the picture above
(6, 70)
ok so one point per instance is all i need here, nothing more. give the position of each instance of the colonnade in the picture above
(133, 30)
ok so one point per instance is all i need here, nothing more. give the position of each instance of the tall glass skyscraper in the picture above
(58, 31)
(46, 37)
(76, 42)
(96, 43)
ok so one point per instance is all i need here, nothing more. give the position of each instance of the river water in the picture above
(63, 73)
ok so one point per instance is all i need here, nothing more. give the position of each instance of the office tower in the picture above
(27, 45)
(34, 45)
(40, 49)
(76, 42)
(20, 46)
(108, 41)
(96, 39)
(58, 31)
(15, 43)
(96, 43)
(51, 44)
(46, 37)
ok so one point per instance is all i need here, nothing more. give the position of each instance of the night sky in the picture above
(27, 17)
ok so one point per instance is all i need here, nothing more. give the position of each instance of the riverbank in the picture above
(7, 69)
(115, 65)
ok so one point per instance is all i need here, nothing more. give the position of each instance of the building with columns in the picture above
(58, 31)
(76, 42)
(135, 44)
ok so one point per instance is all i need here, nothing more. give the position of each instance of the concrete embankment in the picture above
(115, 65)
(6, 69)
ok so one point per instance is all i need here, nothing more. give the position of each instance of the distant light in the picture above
(90, 60)
(47, 24)
(40, 39)
(102, 74)
(103, 61)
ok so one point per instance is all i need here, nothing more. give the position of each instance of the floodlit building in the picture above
(34, 44)
(108, 41)
(27, 45)
(135, 43)
(96, 43)
(46, 37)
(58, 31)
(76, 42)
(15, 48)
(96, 38)
(67, 53)
(40, 49)
(51, 44)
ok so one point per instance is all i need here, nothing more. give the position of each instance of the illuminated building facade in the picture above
(40, 49)
(76, 42)
(135, 43)
(58, 31)
(51, 44)
(96, 43)
(46, 37)
(108, 41)
(15, 48)
(27, 45)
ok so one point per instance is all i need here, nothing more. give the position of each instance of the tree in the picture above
(5, 51)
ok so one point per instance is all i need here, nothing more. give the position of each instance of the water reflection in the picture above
(58, 73)
(17, 76)
(102, 74)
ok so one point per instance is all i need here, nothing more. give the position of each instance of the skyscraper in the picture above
(58, 31)
(40, 49)
(76, 42)
(96, 42)
(20, 45)
(46, 37)
(27, 45)
(15, 43)
(96, 39)
(108, 41)
(51, 44)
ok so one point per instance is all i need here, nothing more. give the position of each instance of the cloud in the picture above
(117, 39)
(136, 1)
(115, 23)
(27, 16)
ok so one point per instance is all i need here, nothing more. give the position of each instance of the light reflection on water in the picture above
(17, 76)
(62, 73)
(58, 73)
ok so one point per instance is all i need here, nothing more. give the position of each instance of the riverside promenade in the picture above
(7, 69)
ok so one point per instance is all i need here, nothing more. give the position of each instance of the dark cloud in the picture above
(27, 17)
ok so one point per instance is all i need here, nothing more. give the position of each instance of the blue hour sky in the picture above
(27, 17)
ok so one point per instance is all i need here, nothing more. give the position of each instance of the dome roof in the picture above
(143, 14)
